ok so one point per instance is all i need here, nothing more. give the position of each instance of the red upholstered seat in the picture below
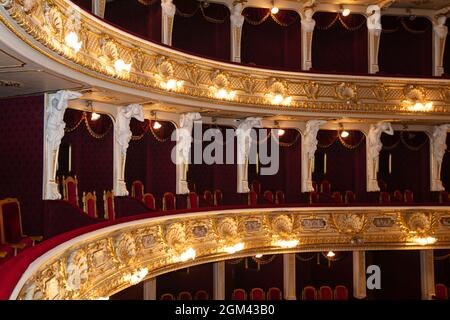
(325, 187)
(350, 196)
(385, 198)
(137, 190)
(208, 198)
(274, 294)
(6, 252)
(218, 198)
(409, 196)
(257, 294)
(70, 190)
(184, 295)
(340, 293)
(201, 295)
(441, 291)
(192, 200)
(337, 197)
(268, 196)
(252, 198)
(309, 293)
(239, 294)
(397, 197)
(325, 293)
(256, 186)
(169, 201)
(11, 232)
(313, 197)
(149, 200)
(90, 204)
(444, 197)
(279, 197)
(108, 205)
(167, 296)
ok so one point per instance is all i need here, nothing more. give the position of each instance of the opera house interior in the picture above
(224, 150)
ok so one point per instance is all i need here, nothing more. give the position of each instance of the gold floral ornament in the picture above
(311, 89)
(347, 92)
(110, 59)
(415, 99)
(248, 84)
(227, 231)
(418, 226)
(165, 75)
(72, 31)
(282, 232)
(277, 94)
(349, 223)
(77, 271)
(220, 88)
(53, 24)
(176, 240)
(125, 248)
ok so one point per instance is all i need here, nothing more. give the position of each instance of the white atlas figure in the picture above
(309, 147)
(438, 148)
(374, 146)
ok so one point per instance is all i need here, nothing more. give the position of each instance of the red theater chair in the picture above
(108, 205)
(441, 292)
(90, 204)
(385, 198)
(252, 198)
(398, 196)
(325, 293)
(337, 197)
(268, 196)
(325, 187)
(6, 252)
(309, 293)
(184, 295)
(350, 196)
(279, 197)
(257, 294)
(409, 196)
(137, 190)
(208, 198)
(70, 190)
(149, 200)
(218, 198)
(167, 296)
(444, 197)
(239, 294)
(313, 197)
(169, 201)
(256, 186)
(201, 295)
(11, 232)
(340, 293)
(192, 200)
(274, 294)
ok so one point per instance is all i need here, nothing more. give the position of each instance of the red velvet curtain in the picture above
(272, 41)
(85, 4)
(447, 52)
(21, 154)
(340, 43)
(200, 30)
(445, 171)
(410, 163)
(135, 17)
(346, 162)
(406, 46)
(441, 266)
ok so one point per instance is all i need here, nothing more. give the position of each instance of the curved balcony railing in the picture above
(102, 259)
(160, 72)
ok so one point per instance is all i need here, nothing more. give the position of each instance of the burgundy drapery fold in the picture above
(445, 171)
(85, 4)
(198, 35)
(410, 163)
(338, 49)
(131, 15)
(405, 52)
(346, 165)
(447, 52)
(269, 44)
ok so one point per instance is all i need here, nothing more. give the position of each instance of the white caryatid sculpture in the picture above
(123, 136)
(440, 31)
(309, 147)
(168, 12)
(183, 148)
(244, 141)
(374, 32)
(237, 20)
(438, 148)
(374, 146)
(308, 25)
(54, 131)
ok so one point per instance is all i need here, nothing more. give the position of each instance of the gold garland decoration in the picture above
(274, 18)
(92, 133)
(200, 6)
(329, 25)
(262, 261)
(67, 130)
(257, 23)
(405, 26)
(147, 2)
(343, 23)
(409, 147)
(299, 258)
(441, 258)
(395, 145)
(235, 261)
(349, 146)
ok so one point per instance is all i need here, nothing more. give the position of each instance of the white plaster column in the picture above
(373, 148)
(219, 280)
(374, 33)
(244, 141)
(308, 24)
(359, 274)
(168, 14)
(309, 147)
(98, 8)
(427, 274)
(438, 145)
(150, 289)
(289, 282)
(237, 21)
(122, 137)
(55, 107)
(440, 31)
(183, 148)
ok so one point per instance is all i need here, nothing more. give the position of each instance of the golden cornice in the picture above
(309, 92)
(94, 265)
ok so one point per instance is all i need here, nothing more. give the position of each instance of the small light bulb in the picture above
(95, 116)
(222, 93)
(171, 84)
(121, 66)
(346, 12)
(281, 132)
(344, 134)
(277, 99)
(157, 125)
(72, 41)
(274, 10)
(331, 254)
(258, 256)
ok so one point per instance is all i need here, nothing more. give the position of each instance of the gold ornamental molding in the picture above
(106, 53)
(100, 263)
